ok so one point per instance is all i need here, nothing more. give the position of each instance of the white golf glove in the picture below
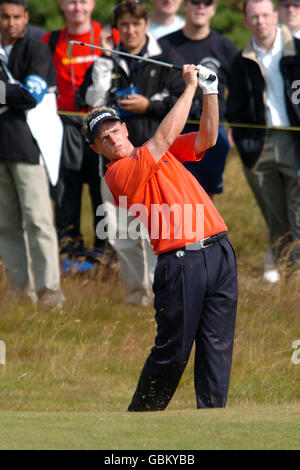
(208, 87)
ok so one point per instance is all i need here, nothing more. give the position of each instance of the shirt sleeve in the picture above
(36, 77)
(129, 175)
(184, 148)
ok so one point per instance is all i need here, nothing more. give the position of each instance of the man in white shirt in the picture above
(289, 15)
(269, 61)
(261, 93)
(164, 18)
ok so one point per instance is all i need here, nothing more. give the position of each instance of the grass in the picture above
(244, 428)
(81, 363)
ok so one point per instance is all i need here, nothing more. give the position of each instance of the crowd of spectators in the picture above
(255, 90)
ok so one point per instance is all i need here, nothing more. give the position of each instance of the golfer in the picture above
(195, 284)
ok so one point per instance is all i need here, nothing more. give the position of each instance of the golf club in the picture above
(210, 78)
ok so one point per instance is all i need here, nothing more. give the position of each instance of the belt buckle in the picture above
(203, 241)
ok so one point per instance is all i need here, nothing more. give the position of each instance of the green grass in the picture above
(243, 428)
(70, 373)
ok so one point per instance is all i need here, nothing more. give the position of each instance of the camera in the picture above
(124, 94)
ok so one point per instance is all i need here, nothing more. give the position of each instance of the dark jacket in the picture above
(161, 85)
(247, 95)
(28, 56)
(215, 52)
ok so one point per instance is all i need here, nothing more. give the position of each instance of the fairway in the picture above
(239, 428)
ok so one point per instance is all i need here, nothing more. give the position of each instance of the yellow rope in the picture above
(253, 126)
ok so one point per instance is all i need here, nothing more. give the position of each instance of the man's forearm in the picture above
(173, 124)
(209, 124)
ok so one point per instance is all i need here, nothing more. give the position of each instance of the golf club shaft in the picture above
(211, 77)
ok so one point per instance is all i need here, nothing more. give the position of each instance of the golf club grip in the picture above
(211, 77)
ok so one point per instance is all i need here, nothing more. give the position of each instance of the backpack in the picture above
(53, 39)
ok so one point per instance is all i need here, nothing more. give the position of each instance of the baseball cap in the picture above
(289, 3)
(96, 119)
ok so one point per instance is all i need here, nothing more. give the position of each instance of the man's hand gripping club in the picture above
(174, 122)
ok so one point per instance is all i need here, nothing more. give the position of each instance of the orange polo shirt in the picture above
(165, 196)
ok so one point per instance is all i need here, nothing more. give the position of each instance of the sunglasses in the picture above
(124, 2)
(290, 4)
(207, 3)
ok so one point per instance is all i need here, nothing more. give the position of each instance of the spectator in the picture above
(143, 93)
(289, 14)
(27, 233)
(164, 18)
(261, 93)
(198, 44)
(79, 164)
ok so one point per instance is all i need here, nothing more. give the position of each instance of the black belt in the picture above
(205, 242)
(199, 245)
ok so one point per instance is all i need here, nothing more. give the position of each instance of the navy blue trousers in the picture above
(195, 301)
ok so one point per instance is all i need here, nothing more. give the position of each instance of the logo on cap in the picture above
(99, 118)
